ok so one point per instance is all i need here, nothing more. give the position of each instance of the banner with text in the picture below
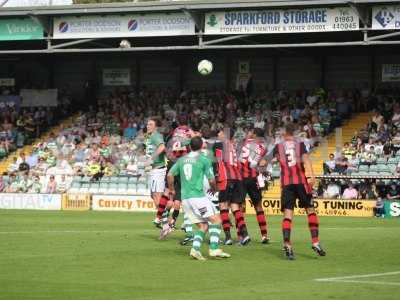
(20, 29)
(390, 72)
(392, 209)
(30, 201)
(122, 203)
(282, 21)
(172, 24)
(324, 207)
(115, 77)
(386, 17)
(34, 98)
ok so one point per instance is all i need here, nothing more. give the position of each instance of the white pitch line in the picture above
(357, 228)
(366, 282)
(64, 231)
(358, 276)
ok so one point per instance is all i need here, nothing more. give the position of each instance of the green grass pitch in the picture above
(95, 255)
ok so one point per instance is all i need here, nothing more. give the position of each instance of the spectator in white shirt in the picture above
(332, 191)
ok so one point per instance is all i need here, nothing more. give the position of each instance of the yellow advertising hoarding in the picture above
(324, 207)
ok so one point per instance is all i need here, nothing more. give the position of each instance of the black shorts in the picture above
(233, 192)
(250, 187)
(291, 193)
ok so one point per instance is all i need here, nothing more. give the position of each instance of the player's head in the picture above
(226, 133)
(196, 143)
(182, 120)
(152, 124)
(258, 133)
(289, 130)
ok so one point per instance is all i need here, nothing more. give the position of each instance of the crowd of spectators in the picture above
(108, 138)
(373, 150)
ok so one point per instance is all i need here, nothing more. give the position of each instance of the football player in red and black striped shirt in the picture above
(252, 151)
(292, 156)
(230, 186)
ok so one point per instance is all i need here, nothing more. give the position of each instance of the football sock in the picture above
(175, 215)
(214, 231)
(197, 240)
(286, 229)
(226, 224)
(313, 225)
(188, 226)
(161, 206)
(240, 223)
(262, 222)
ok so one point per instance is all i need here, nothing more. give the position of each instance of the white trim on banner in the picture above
(390, 72)
(116, 77)
(122, 203)
(33, 98)
(386, 17)
(173, 24)
(30, 201)
(282, 21)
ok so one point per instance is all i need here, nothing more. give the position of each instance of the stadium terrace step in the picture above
(28, 148)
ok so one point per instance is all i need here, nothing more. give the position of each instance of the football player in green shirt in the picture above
(155, 150)
(191, 169)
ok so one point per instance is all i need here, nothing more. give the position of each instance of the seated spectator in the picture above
(63, 185)
(13, 184)
(36, 186)
(379, 210)
(353, 162)
(348, 151)
(332, 190)
(393, 193)
(14, 166)
(369, 157)
(341, 165)
(329, 166)
(32, 159)
(51, 187)
(2, 185)
(350, 193)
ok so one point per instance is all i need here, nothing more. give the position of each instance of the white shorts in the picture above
(198, 210)
(157, 180)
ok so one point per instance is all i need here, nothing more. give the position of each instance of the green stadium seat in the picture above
(103, 189)
(94, 187)
(122, 188)
(123, 179)
(112, 188)
(373, 168)
(381, 160)
(363, 168)
(84, 187)
(393, 160)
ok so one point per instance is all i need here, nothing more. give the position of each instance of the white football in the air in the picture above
(205, 67)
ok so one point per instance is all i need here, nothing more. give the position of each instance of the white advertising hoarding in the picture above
(71, 27)
(116, 77)
(22, 3)
(281, 21)
(390, 72)
(386, 17)
(34, 98)
(30, 201)
(122, 203)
